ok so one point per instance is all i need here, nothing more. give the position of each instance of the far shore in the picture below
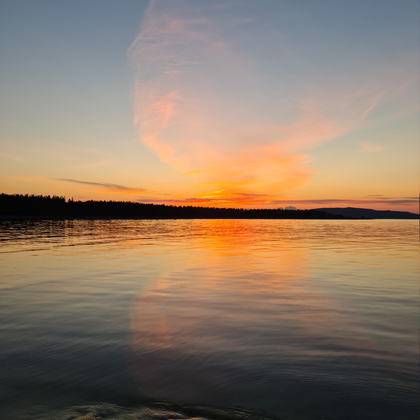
(38, 207)
(39, 218)
(5, 218)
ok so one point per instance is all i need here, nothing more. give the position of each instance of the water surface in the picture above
(297, 319)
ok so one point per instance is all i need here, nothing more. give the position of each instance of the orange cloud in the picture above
(205, 110)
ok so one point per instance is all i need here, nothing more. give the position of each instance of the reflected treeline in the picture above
(57, 206)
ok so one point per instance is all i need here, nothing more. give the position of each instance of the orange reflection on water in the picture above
(228, 284)
(241, 294)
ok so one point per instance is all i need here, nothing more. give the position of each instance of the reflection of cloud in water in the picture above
(239, 326)
(174, 339)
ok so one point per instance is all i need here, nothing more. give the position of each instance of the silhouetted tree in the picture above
(57, 206)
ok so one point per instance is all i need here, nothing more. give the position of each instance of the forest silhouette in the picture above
(40, 206)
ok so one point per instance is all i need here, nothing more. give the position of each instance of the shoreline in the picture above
(35, 217)
(32, 207)
(69, 217)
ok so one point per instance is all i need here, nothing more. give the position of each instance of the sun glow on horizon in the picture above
(204, 106)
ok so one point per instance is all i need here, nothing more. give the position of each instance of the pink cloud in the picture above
(369, 147)
(202, 106)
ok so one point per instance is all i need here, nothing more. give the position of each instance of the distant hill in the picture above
(369, 213)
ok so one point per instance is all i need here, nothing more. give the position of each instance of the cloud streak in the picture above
(350, 202)
(369, 147)
(244, 200)
(14, 158)
(109, 188)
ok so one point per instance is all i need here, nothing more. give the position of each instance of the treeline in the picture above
(59, 207)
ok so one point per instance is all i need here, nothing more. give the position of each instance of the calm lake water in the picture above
(293, 319)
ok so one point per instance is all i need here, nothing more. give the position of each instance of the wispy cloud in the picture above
(204, 106)
(370, 147)
(333, 201)
(11, 157)
(108, 188)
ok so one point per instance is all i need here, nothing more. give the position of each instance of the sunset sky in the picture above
(242, 103)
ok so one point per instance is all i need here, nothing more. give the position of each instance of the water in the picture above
(220, 319)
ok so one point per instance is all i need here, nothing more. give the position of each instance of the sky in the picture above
(222, 103)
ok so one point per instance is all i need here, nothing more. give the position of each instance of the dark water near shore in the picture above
(293, 319)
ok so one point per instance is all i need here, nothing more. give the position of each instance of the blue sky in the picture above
(223, 103)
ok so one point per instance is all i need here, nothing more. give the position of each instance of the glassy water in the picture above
(292, 319)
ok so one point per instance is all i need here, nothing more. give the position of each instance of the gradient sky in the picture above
(242, 103)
